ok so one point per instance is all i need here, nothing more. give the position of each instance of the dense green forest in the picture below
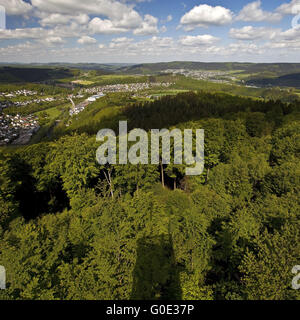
(15, 75)
(288, 80)
(72, 229)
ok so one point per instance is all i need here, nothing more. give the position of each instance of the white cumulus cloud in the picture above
(148, 26)
(292, 7)
(53, 40)
(253, 33)
(16, 7)
(205, 15)
(253, 12)
(104, 26)
(86, 40)
(62, 19)
(199, 40)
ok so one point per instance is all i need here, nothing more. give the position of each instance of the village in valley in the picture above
(212, 76)
(133, 87)
(18, 128)
(31, 109)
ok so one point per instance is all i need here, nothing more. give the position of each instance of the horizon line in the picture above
(137, 63)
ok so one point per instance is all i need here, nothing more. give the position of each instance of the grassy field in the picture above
(83, 82)
(52, 113)
(117, 79)
(93, 79)
(159, 94)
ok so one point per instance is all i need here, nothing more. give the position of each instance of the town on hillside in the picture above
(18, 129)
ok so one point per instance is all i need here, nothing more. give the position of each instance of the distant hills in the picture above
(271, 68)
(28, 74)
(289, 80)
(81, 66)
(260, 74)
(148, 68)
(92, 66)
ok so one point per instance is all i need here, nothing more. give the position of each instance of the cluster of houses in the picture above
(133, 87)
(99, 92)
(78, 108)
(78, 96)
(96, 97)
(81, 106)
(7, 104)
(22, 92)
(38, 101)
(212, 76)
(17, 129)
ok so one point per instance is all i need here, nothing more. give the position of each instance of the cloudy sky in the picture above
(135, 31)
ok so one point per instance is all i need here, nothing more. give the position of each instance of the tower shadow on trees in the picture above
(156, 274)
(31, 202)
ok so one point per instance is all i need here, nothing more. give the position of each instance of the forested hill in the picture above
(279, 74)
(289, 80)
(184, 107)
(277, 68)
(73, 229)
(25, 74)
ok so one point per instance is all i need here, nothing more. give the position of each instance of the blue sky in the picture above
(138, 31)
